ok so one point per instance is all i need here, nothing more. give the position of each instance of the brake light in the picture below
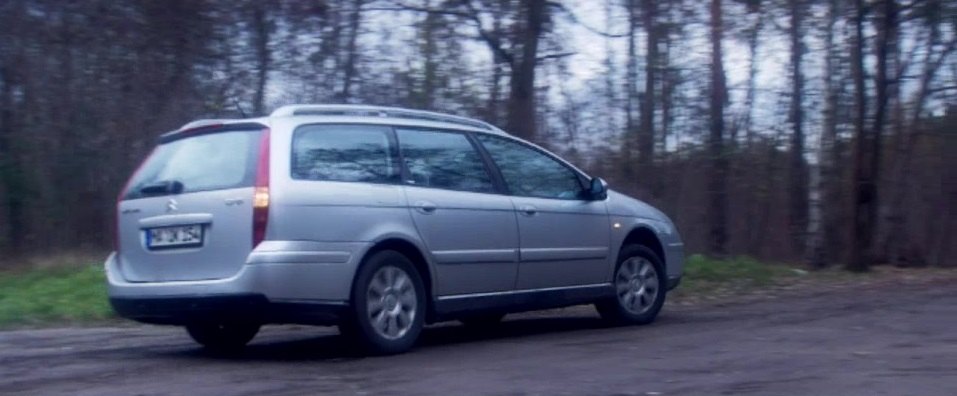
(261, 190)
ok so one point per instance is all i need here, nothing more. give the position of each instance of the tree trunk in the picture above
(261, 35)
(646, 134)
(11, 175)
(717, 181)
(863, 188)
(669, 84)
(521, 100)
(753, 232)
(429, 63)
(631, 82)
(352, 55)
(898, 237)
(885, 52)
(609, 66)
(752, 76)
(330, 46)
(868, 143)
(498, 64)
(798, 181)
(827, 241)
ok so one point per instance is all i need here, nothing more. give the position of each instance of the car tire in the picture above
(388, 304)
(222, 337)
(483, 321)
(640, 288)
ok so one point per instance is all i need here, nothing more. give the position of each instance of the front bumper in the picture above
(673, 282)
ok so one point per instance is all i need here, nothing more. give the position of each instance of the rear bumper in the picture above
(278, 278)
(255, 308)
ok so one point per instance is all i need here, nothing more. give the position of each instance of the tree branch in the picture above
(555, 56)
(575, 20)
(472, 14)
(493, 41)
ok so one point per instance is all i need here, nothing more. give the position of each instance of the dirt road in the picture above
(877, 340)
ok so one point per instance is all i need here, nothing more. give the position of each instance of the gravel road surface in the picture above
(877, 340)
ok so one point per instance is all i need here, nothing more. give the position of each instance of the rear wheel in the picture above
(388, 304)
(639, 288)
(222, 336)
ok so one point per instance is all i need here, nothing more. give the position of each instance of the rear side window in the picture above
(351, 153)
(215, 161)
(443, 160)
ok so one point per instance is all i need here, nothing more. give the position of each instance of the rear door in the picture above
(564, 237)
(187, 212)
(468, 227)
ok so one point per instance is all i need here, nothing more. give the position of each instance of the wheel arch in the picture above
(414, 253)
(645, 236)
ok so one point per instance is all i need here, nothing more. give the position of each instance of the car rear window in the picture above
(214, 161)
(351, 153)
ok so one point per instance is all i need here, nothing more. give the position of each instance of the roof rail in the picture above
(378, 111)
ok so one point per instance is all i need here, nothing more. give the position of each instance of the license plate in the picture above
(174, 237)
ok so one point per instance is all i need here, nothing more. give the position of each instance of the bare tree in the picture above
(864, 189)
(76, 121)
(898, 241)
(352, 52)
(646, 134)
(717, 181)
(429, 61)
(798, 180)
(827, 241)
(868, 142)
(521, 98)
(631, 86)
(262, 28)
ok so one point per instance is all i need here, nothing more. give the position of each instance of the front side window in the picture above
(351, 153)
(529, 172)
(443, 160)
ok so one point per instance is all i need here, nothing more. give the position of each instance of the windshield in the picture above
(216, 161)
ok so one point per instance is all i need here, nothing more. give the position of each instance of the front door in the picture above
(468, 227)
(564, 237)
(563, 242)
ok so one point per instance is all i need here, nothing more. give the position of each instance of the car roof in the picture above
(356, 114)
(359, 114)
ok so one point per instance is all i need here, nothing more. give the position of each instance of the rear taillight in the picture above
(261, 190)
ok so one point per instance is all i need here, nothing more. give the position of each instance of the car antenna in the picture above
(240, 108)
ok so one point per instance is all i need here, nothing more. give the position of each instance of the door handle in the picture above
(425, 207)
(527, 210)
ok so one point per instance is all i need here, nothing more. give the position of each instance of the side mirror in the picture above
(598, 190)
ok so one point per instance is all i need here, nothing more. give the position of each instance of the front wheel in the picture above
(222, 337)
(639, 288)
(388, 304)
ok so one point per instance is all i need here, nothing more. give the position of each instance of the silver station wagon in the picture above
(378, 220)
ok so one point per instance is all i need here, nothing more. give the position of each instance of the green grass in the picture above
(58, 295)
(76, 295)
(703, 274)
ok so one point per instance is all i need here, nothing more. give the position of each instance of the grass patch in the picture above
(41, 296)
(705, 275)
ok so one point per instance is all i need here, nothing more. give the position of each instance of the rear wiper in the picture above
(162, 187)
